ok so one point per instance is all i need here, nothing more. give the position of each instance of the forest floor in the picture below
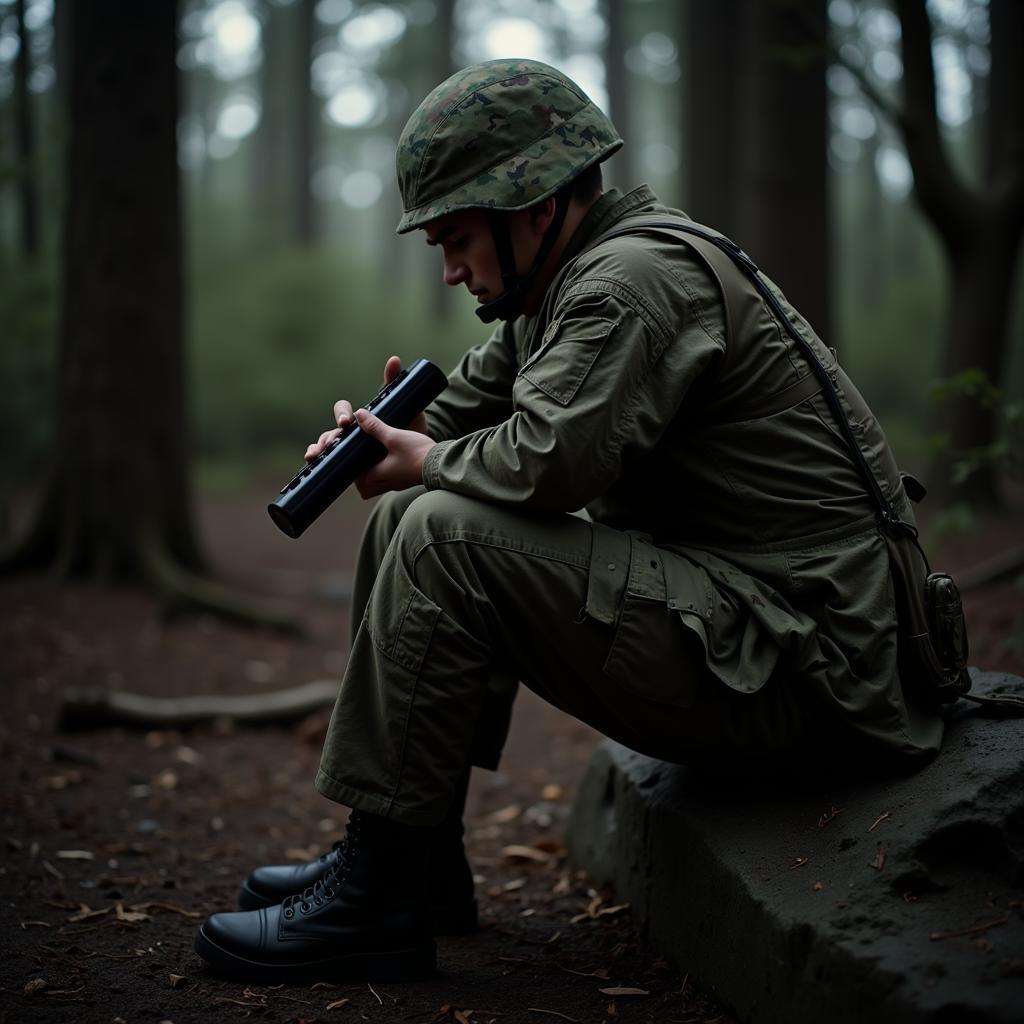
(117, 843)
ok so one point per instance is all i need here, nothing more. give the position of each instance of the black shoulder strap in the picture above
(887, 514)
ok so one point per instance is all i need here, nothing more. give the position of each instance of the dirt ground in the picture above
(116, 843)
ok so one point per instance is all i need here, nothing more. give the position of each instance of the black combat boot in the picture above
(365, 919)
(449, 878)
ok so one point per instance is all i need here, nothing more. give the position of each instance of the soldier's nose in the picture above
(455, 274)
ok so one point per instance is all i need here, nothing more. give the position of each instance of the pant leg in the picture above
(496, 714)
(579, 612)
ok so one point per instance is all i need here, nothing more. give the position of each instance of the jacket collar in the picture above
(609, 208)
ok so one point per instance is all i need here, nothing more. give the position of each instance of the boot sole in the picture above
(416, 963)
(446, 920)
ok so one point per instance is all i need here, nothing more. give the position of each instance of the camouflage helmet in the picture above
(504, 134)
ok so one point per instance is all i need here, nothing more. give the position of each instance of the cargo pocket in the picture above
(400, 620)
(741, 622)
(653, 653)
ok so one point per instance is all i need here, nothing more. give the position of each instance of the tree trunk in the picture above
(120, 481)
(783, 155)
(623, 164)
(982, 277)
(979, 230)
(711, 56)
(26, 150)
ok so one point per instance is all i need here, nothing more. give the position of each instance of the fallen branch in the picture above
(96, 709)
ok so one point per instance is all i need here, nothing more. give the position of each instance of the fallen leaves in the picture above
(617, 990)
(516, 852)
(829, 816)
(595, 909)
(504, 815)
(75, 855)
(34, 986)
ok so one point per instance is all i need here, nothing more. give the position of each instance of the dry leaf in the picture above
(525, 853)
(879, 862)
(461, 1017)
(188, 756)
(176, 980)
(505, 815)
(516, 883)
(562, 886)
(552, 791)
(612, 1010)
(75, 855)
(336, 1004)
(35, 985)
(616, 991)
(828, 816)
(617, 909)
(130, 916)
(529, 912)
(86, 913)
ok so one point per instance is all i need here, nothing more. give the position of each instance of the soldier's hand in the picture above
(343, 414)
(402, 467)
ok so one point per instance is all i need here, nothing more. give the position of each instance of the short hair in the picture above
(588, 185)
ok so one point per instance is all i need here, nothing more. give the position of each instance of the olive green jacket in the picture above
(628, 395)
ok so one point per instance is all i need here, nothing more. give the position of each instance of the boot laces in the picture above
(326, 886)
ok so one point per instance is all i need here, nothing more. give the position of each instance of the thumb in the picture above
(376, 428)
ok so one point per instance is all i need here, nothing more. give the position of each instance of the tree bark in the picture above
(25, 141)
(783, 210)
(710, 41)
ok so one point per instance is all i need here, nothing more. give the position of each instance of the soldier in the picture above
(726, 602)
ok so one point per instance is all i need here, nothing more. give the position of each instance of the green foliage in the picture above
(27, 358)
(279, 336)
(1006, 453)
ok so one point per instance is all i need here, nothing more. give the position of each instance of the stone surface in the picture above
(895, 900)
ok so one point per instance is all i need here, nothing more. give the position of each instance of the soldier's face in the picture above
(467, 247)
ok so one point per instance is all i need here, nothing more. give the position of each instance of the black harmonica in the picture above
(350, 455)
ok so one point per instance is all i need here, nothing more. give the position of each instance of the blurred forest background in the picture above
(197, 211)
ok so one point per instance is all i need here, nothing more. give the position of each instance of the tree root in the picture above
(96, 709)
(181, 590)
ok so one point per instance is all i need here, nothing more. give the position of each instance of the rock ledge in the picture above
(896, 900)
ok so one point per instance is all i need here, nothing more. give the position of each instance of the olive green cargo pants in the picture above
(455, 599)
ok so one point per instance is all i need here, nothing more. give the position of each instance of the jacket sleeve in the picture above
(603, 385)
(479, 392)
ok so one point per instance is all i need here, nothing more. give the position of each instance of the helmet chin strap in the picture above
(511, 302)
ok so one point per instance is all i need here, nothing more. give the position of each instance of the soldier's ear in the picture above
(541, 215)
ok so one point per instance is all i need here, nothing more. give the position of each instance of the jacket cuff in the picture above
(431, 467)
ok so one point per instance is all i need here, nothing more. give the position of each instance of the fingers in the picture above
(343, 412)
(392, 368)
(320, 444)
(369, 424)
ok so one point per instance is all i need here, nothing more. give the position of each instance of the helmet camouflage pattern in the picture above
(503, 134)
